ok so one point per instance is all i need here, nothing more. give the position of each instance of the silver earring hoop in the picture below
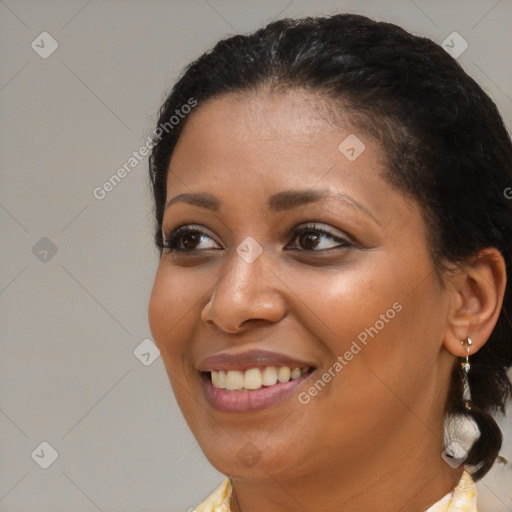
(466, 366)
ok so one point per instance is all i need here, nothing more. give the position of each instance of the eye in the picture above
(188, 239)
(313, 238)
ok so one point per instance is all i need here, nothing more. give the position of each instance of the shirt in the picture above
(461, 498)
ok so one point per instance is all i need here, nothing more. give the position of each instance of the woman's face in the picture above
(300, 256)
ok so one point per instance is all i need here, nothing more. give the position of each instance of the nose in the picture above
(246, 294)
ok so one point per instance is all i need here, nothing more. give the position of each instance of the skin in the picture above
(372, 438)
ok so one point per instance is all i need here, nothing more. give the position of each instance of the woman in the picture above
(335, 236)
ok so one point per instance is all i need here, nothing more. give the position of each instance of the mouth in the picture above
(254, 379)
(251, 380)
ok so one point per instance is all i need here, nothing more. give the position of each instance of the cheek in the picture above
(387, 331)
(173, 308)
(351, 304)
(174, 303)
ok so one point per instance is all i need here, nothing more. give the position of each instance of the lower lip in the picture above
(247, 401)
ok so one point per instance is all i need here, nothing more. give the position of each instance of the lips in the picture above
(251, 380)
(249, 359)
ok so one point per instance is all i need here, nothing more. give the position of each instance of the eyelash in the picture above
(171, 240)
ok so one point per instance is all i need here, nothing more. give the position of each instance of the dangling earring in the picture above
(465, 370)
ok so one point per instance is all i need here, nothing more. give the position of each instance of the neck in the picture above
(405, 475)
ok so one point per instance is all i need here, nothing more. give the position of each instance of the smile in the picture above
(255, 378)
(251, 380)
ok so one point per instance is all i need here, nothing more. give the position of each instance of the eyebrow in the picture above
(282, 201)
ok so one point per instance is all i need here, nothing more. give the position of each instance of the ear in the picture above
(477, 289)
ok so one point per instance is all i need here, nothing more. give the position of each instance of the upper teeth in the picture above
(254, 378)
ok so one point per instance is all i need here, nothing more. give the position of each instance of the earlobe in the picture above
(478, 291)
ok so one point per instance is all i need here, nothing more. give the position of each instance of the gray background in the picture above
(72, 320)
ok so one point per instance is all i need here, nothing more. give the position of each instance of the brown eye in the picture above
(188, 239)
(309, 240)
(314, 239)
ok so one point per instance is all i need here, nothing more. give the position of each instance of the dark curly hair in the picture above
(444, 140)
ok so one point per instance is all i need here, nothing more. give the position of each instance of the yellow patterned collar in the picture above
(462, 498)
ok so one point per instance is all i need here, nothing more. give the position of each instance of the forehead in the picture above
(290, 134)
(268, 113)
